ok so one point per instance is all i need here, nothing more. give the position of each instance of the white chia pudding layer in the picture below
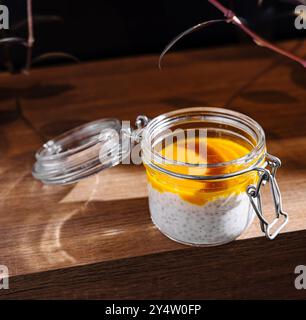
(216, 222)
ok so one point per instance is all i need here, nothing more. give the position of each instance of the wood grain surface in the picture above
(94, 239)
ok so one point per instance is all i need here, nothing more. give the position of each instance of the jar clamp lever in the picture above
(265, 176)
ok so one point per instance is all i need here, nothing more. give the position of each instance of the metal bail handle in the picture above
(265, 176)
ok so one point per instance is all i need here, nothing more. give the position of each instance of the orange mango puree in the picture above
(210, 150)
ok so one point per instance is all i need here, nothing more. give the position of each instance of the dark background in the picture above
(110, 28)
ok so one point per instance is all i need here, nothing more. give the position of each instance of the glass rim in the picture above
(202, 112)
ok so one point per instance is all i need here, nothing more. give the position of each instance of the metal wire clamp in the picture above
(267, 176)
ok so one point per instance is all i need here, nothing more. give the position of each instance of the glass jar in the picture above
(194, 198)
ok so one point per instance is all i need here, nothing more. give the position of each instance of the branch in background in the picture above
(54, 55)
(30, 40)
(36, 19)
(229, 14)
(231, 17)
(185, 33)
(12, 40)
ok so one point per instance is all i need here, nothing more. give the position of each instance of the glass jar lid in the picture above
(80, 152)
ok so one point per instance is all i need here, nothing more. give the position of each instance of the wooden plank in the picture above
(102, 223)
(248, 269)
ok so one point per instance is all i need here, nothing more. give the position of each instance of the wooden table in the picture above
(94, 239)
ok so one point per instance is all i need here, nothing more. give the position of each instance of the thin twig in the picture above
(229, 14)
(13, 40)
(185, 33)
(54, 55)
(30, 40)
(231, 17)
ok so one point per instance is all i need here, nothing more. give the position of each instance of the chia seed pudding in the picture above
(216, 222)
